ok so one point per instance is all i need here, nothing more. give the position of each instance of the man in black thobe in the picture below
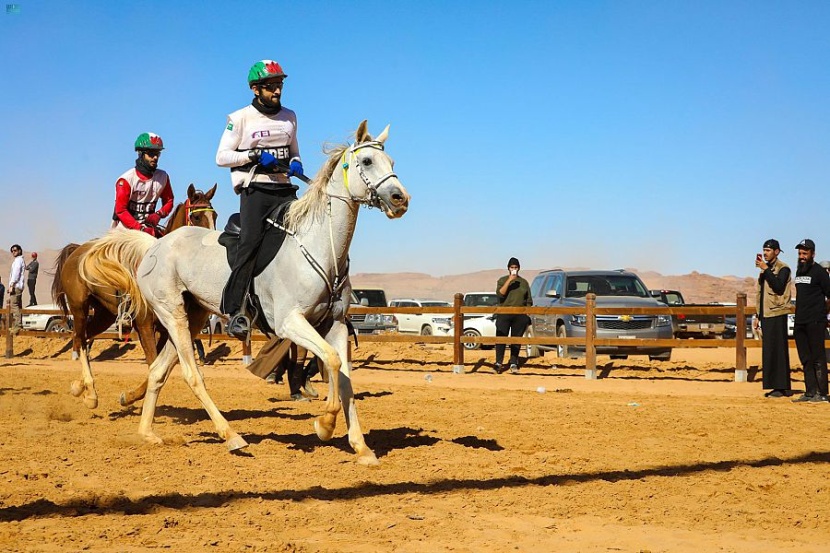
(773, 305)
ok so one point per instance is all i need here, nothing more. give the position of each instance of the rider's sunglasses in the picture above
(272, 86)
(151, 153)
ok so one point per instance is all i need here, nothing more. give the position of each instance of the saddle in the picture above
(272, 240)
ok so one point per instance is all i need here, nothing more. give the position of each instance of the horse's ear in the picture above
(191, 190)
(209, 194)
(384, 135)
(362, 134)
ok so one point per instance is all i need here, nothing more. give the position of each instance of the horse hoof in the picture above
(91, 402)
(152, 439)
(368, 459)
(76, 388)
(322, 431)
(235, 443)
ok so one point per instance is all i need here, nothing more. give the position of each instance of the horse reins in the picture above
(335, 286)
(190, 209)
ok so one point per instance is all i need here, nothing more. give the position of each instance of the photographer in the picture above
(772, 301)
(513, 291)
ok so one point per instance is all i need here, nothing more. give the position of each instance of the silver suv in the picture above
(560, 288)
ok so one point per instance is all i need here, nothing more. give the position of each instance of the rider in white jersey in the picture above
(139, 189)
(260, 147)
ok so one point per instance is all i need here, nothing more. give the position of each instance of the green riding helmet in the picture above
(265, 69)
(148, 141)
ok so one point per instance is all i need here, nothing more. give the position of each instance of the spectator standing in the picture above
(16, 289)
(773, 305)
(512, 291)
(31, 280)
(139, 189)
(260, 147)
(812, 290)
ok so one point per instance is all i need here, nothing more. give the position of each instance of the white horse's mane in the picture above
(312, 204)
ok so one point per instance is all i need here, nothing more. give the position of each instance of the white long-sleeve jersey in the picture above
(247, 129)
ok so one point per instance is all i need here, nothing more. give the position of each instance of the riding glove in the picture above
(295, 168)
(267, 160)
(149, 230)
(153, 219)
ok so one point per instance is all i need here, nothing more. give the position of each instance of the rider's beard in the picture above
(268, 107)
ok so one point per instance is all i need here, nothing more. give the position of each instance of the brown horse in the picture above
(73, 295)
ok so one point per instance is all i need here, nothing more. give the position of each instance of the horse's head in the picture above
(199, 211)
(368, 174)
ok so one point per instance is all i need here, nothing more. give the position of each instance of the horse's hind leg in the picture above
(82, 332)
(147, 337)
(159, 371)
(339, 337)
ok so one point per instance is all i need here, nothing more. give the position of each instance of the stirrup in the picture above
(239, 326)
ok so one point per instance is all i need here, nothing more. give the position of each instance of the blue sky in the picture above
(662, 135)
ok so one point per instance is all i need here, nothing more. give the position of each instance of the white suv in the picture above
(426, 324)
(45, 321)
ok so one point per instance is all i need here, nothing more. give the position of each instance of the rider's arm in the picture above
(294, 147)
(166, 200)
(122, 201)
(226, 155)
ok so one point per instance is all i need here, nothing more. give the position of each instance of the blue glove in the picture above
(267, 160)
(295, 168)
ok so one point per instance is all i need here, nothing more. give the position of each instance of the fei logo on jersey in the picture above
(260, 134)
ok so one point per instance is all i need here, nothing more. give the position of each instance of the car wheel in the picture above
(426, 330)
(470, 345)
(660, 357)
(531, 350)
(218, 328)
(57, 325)
(562, 351)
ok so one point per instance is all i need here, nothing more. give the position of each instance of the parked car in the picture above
(425, 324)
(46, 322)
(215, 325)
(557, 287)
(478, 324)
(373, 323)
(688, 325)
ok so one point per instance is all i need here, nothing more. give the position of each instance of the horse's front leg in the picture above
(297, 329)
(338, 336)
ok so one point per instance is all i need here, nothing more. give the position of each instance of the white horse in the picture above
(304, 290)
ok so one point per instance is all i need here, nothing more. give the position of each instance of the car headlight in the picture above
(442, 320)
(373, 318)
(578, 320)
(663, 320)
(389, 319)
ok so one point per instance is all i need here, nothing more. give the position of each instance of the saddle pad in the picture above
(272, 241)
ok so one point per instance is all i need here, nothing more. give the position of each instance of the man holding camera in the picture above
(772, 301)
(812, 290)
(512, 291)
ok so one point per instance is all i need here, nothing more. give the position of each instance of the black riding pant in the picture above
(255, 203)
(809, 339)
(510, 325)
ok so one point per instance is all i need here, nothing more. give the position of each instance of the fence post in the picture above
(590, 334)
(458, 327)
(740, 336)
(247, 358)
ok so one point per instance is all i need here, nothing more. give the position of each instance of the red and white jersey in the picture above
(247, 129)
(135, 198)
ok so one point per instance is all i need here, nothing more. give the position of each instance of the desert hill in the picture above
(696, 287)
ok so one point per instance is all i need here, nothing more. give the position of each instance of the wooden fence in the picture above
(590, 342)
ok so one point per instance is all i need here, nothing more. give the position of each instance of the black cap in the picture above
(513, 261)
(806, 244)
(772, 244)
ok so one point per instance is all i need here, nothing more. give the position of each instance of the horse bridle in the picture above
(191, 209)
(374, 199)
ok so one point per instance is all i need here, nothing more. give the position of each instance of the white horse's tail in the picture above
(112, 262)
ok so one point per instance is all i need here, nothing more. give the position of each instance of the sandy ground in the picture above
(654, 457)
